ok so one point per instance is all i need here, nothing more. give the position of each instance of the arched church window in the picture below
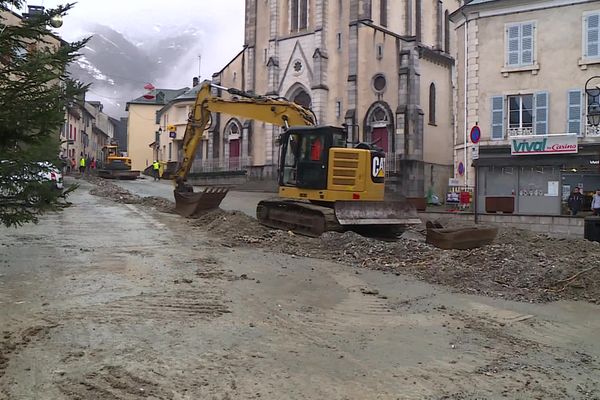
(303, 99)
(432, 104)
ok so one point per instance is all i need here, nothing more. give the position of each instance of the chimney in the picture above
(195, 82)
(33, 11)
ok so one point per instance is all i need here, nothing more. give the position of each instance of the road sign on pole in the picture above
(475, 134)
(475, 152)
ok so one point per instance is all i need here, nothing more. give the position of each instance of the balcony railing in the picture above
(519, 132)
(593, 131)
(221, 165)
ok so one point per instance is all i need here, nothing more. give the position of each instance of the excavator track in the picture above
(297, 216)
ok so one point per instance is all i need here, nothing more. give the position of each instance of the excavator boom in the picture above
(277, 112)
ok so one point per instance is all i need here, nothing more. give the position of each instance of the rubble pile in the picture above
(110, 190)
(519, 265)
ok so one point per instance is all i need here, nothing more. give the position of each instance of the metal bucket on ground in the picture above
(376, 213)
(190, 203)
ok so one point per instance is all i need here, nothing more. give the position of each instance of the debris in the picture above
(519, 265)
(369, 291)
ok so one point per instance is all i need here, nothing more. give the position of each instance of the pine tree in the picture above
(35, 89)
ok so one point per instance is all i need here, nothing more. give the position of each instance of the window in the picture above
(339, 40)
(379, 83)
(432, 104)
(298, 15)
(379, 51)
(541, 113)
(574, 112)
(383, 20)
(303, 99)
(497, 118)
(447, 32)
(591, 35)
(338, 109)
(520, 114)
(520, 44)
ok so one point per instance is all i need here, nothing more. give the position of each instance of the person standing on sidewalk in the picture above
(596, 203)
(82, 165)
(575, 201)
(156, 170)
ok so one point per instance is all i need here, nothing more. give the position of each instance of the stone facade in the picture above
(370, 64)
(522, 80)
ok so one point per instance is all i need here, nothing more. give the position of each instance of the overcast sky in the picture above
(221, 23)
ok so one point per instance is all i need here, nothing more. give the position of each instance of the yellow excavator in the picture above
(323, 184)
(116, 166)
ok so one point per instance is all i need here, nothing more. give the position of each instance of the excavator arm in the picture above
(279, 112)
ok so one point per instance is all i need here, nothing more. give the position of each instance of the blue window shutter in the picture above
(513, 45)
(497, 117)
(592, 35)
(541, 113)
(527, 44)
(574, 112)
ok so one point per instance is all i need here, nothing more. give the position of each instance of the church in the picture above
(383, 68)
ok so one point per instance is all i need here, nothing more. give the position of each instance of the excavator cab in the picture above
(325, 186)
(305, 155)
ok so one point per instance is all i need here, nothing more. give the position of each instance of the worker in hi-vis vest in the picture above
(82, 165)
(156, 170)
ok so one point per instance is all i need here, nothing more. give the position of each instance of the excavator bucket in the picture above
(374, 213)
(189, 204)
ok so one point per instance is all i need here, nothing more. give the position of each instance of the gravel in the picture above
(519, 265)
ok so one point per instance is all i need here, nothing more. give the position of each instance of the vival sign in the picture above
(551, 144)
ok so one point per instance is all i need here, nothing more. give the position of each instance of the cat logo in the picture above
(378, 167)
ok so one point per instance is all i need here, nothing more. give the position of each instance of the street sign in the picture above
(475, 152)
(475, 134)
(461, 168)
(453, 182)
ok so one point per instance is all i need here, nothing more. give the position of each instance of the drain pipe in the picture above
(466, 97)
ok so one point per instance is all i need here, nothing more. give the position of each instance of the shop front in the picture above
(535, 182)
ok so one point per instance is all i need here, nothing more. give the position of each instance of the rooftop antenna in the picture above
(199, 66)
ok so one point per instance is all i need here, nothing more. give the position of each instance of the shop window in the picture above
(520, 115)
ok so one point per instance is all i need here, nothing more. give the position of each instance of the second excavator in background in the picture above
(324, 185)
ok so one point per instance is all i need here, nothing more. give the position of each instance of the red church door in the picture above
(379, 137)
(234, 154)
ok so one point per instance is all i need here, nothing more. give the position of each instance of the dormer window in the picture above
(298, 15)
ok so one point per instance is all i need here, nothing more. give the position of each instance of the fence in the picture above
(221, 165)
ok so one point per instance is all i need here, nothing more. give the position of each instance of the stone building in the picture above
(381, 67)
(526, 65)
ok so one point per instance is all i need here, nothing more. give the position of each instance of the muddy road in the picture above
(120, 301)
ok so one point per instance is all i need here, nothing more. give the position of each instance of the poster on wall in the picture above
(553, 188)
(566, 192)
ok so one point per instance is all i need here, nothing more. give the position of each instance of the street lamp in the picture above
(594, 114)
(592, 89)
